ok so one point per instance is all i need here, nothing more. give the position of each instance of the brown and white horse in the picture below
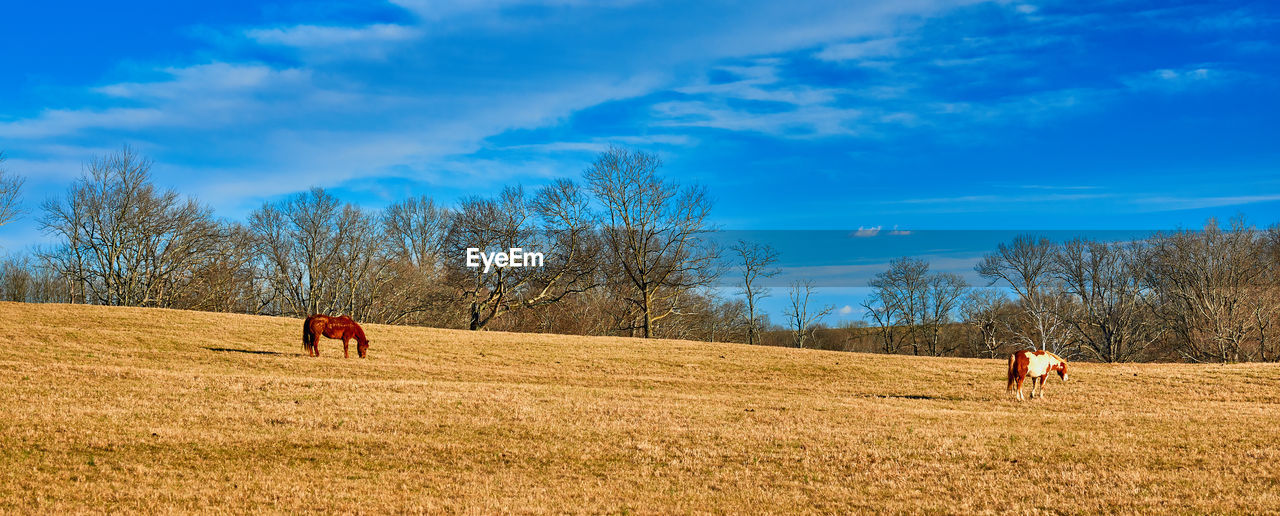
(1037, 365)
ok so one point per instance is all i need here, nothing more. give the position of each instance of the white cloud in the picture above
(845, 310)
(1173, 80)
(860, 50)
(332, 42)
(1169, 203)
(329, 36)
(867, 231)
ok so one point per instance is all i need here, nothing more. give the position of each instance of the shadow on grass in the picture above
(248, 351)
(920, 397)
(912, 397)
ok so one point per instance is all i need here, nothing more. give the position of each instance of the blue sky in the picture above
(919, 114)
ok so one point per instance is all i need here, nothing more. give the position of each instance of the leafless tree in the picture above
(884, 311)
(414, 234)
(942, 300)
(226, 280)
(653, 234)
(755, 263)
(10, 187)
(25, 280)
(903, 292)
(1108, 314)
(801, 321)
(987, 311)
(123, 241)
(319, 256)
(557, 222)
(1216, 292)
(1026, 266)
(415, 231)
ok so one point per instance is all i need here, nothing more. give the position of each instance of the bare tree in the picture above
(755, 264)
(1216, 292)
(557, 222)
(885, 312)
(987, 311)
(226, 280)
(653, 234)
(801, 321)
(318, 255)
(414, 233)
(1107, 282)
(1026, 266)
(122, 241)
(942, 299)
(10, 187)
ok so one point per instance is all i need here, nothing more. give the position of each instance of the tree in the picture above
(1026, 266)
(122, 241)
(414, 235)
(320, 256)
(942, 297)
(885, 312)
(755, 264)
(1109, 315)
(902, 291)
(912, 306)
(987, 310)
(556, 222)
(1215, 292)
(10, 187)
(653, 234)
(801, 321)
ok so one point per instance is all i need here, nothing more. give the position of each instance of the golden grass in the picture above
(108, 409)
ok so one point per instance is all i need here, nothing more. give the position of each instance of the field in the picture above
(109, 409)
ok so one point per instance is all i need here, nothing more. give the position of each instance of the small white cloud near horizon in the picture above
(867, 231)
(845, 310)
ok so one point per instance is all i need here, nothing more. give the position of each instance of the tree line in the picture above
(1201, 296)
(627, 252)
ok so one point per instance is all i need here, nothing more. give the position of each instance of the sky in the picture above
(877, 117)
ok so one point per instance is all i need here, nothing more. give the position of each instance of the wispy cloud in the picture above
(367, 41)
(1172, 203)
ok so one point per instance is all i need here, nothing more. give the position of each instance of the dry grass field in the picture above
(141, 410)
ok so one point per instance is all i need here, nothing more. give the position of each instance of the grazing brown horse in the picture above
(1037, 365)
(335, 328)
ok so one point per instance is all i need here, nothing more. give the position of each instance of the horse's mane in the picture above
(359, 330)
(1047, 352)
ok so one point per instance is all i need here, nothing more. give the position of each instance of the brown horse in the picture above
(335, 328)
(1037, 365)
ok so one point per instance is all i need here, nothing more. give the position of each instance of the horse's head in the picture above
(1062, 370)
(362, 346)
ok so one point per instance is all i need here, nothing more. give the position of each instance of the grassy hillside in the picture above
(158, 410)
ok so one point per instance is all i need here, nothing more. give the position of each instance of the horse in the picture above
(335, 328)
(1037, 365)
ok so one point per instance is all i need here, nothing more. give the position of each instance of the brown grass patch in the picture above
(106, 409)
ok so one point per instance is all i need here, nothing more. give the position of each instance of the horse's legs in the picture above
(345, 342)
(1020, 379)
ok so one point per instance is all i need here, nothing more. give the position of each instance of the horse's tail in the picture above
(1013, 371)
(308, 335)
